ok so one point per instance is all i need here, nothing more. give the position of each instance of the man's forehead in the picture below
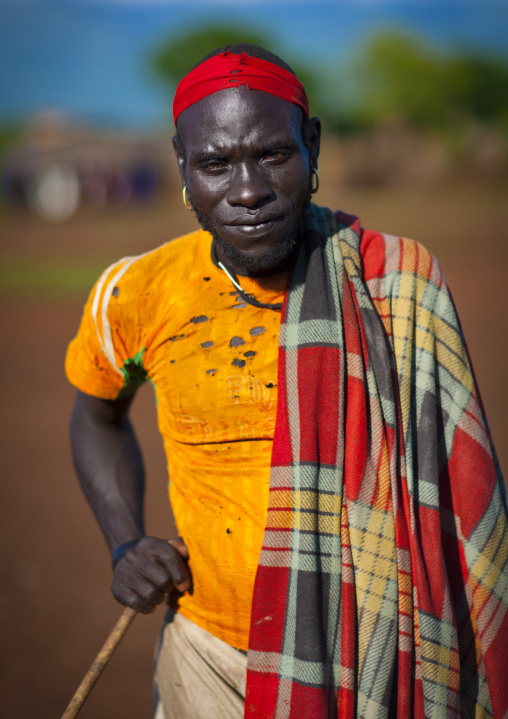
(229, 111)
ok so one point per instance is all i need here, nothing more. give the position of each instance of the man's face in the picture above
(247, 173)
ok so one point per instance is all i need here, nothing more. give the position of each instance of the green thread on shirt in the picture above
(134, 373)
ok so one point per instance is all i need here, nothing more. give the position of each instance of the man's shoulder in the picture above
(388, 258)
(160, 265)
(170, 257)
(146, 282)
(384, 255)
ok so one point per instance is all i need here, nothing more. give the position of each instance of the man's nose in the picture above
(249, 187)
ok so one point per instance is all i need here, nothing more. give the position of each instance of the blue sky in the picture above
(88, 58)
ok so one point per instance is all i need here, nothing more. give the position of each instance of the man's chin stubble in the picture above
(276, 260)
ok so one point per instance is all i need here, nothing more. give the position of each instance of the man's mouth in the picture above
(253, 225)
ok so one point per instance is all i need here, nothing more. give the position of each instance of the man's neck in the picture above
(239, 269)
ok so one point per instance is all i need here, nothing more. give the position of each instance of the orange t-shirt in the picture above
(173, 317)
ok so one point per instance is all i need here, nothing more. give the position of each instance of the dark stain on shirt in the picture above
(255, 331)
(229, 531)
(249, 354)
(206, 279)
(197, 320)
(270, 385)
(238, 362)
(206, 345)
(116, 291)
(176, 337)
(236, 341)
(211, 371)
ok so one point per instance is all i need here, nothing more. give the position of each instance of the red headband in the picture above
(229, 70)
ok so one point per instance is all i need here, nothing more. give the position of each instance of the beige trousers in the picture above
(197, 675)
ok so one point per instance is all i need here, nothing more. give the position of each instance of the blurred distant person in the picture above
(54, 192)
(341, 512)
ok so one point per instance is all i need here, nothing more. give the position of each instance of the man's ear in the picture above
(314, 135)
(180, 157)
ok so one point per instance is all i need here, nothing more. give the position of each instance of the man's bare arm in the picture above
(109, 465)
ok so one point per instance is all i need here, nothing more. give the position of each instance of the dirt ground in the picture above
(55, 606)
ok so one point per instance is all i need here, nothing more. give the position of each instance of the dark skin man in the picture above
(332, 473)
(247, 163)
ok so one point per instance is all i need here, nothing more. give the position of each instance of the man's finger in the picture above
(129, 598)
(180, 546)
(172, 559)
(157, 574)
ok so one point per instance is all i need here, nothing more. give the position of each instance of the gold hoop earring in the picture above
(185, 199)
(316, 188)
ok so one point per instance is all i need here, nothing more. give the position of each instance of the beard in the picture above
(275, 260)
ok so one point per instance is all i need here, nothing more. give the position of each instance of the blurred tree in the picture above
(9, 135)
(399, 77)
(480, 87)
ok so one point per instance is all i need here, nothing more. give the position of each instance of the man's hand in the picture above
(151, 570)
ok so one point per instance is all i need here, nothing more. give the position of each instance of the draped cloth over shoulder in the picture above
(382, 583)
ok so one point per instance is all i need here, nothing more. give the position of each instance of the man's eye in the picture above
(213, 166)
(276, 156)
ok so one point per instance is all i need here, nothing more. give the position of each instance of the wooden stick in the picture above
(120, 629)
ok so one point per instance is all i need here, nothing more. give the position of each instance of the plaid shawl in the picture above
(382, 585)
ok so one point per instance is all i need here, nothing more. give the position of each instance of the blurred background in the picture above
(413, 96)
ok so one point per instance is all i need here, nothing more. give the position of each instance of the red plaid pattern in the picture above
(382, 586)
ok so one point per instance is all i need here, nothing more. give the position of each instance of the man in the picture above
(341, 512)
